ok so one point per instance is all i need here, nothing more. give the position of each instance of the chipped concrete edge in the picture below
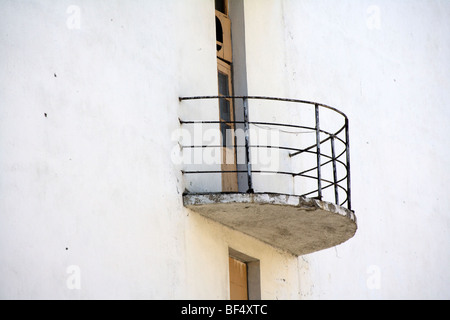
(308, 204)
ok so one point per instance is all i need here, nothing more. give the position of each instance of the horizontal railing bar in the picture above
(265, 98)
(336, 137)
(270, 147)
(258, 123)
(263, 171)
(274, 147)
(327, 186)
(325, 180)
(323, 155)
(235, 146)
(341, 154)
(322, 165)
(273, 124)
(321, 142)
(240, 146)
(236, 171)
(314, 191)
(309, 148)
(299, 151)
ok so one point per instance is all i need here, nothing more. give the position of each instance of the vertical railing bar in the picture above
(319, 174)
(247, 144)
(347, 147)
(333, 158)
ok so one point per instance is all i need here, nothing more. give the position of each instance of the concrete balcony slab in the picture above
(295, 224)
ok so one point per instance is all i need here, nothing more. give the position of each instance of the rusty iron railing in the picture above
(322, 137)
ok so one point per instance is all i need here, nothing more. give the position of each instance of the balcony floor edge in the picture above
(291, 223)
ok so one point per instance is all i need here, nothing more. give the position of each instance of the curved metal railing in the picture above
(338, 160)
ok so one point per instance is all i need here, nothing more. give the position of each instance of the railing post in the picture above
(333, 158)
(319, 174)
(347, 153)
(247, 146)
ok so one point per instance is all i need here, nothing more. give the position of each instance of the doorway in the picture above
(226, 105)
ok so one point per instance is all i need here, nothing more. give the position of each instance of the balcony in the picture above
(279, 170)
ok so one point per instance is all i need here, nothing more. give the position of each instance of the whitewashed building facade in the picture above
(112, 187)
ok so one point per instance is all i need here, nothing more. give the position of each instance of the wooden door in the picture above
(238, 280)
(226, 116)
(226, 107)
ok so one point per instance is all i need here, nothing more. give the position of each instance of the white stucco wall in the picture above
(93, 175)
(385, 64)
(89, 104)
(90, 201)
